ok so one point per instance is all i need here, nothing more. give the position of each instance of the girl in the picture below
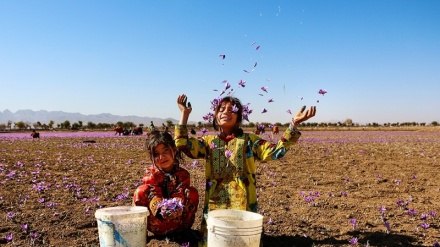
(166, 189)
(230, 155)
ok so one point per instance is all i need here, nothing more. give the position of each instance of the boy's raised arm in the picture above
(185, 109)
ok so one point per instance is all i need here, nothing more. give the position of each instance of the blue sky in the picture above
(378, 60)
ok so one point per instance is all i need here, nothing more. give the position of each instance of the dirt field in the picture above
(380, 188)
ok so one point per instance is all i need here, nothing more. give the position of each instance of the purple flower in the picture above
(24, 227)
(234, 108)
(228, 153)
(168, 206)
(353, 241)
(424, 225)
(436, 244)
(10, 215)
(388, 226)
(411, 212)
(8, 237)
(264, 110)
(382, 210)
(353, 223)
(433, 214)
(242, 83)
(213, 146)
(33, 235)
(270, 222)
(424, 216)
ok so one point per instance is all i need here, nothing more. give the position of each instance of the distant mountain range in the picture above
(42, 116)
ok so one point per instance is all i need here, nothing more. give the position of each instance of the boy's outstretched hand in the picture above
(302, 116)
(183, 106)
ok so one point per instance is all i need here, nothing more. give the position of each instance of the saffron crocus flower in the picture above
(270, 222)
(424, 225)
(242, 83)
(388, 226)
(436, 244)
(234, 108)
(222, 56)
(270, 100)
(288, 111)
(227, 85)
(382, 209)
(257, 48)
(264, 89)
(264, 110)
(213, 146)
(169, 206)
(33, 235)
(9, 237)
(24, 227)
(322, 91)
(353, 241)
(10, 215)
(353, 223)
(423, 216)
(228, 153)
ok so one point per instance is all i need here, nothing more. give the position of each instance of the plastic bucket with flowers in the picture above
(228, 227)
(122, 226)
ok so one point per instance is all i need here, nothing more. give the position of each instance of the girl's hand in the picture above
(302, 116)
(181, 103)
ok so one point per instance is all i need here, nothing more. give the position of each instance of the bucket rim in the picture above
(121, 211)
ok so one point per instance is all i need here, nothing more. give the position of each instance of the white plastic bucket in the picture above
(123, 226)
(227, 227)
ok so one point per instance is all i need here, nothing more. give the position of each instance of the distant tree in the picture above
(348, 122)
(51, 123)
(434, 123)
(169, 123)
(80, 124)
(128, 125)
(91, 125)
(66, 124)
(119, 123)
(75, 126)
(141, 125)
(3, 126)
(21, 125)
(9, 124)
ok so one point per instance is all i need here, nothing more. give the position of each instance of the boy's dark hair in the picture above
(238, 131)
(162, 137)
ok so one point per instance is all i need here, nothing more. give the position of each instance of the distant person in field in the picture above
(166, 191)
(118, 130)
(152, 126)
(275, 130)
(230, 154)
(35, 134)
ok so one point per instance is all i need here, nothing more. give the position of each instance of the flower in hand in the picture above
(170, 208)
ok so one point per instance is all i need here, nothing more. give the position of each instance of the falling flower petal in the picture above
(264, 110)
(246, 71)
(222, 56)
(288, 111)
(322, 91)
(257, 48)
(264, 89)
(241, 83)
(255, 65)
(270, 100)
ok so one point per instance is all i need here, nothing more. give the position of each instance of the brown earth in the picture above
(307, 198)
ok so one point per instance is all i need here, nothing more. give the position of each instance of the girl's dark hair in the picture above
(162, 137)
(238, 131)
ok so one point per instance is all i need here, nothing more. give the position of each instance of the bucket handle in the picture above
(118, 237)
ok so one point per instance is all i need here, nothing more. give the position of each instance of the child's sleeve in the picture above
(192, 147)
(266, 151)
(154, 191)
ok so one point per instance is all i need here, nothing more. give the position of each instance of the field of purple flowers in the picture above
(334, 188)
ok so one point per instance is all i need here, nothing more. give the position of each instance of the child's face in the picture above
(226, 116)
(164, 157)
